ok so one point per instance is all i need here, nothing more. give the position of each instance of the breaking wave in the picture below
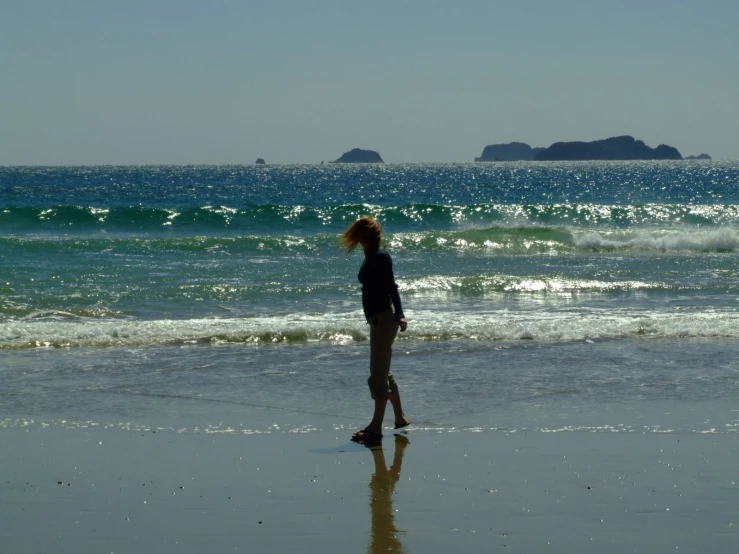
(301, 219)
(509, 240)
(348, 329)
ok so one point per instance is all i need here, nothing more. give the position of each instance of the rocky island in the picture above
(699, 157)
(359, 156)
(615, 148)
(511, 152)
(260, 161)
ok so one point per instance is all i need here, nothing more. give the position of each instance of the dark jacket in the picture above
(379, 289)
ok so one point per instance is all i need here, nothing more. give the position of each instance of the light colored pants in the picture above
(383, 329)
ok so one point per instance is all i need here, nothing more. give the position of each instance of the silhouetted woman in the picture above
(384, 313)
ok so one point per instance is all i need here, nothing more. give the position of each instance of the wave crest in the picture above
(717, 240)
(348, 329)
(279, 219)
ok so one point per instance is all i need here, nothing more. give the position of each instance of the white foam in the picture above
(349, 327)
(714, 240)
(513, 283)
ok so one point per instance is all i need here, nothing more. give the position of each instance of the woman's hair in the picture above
(365, 229)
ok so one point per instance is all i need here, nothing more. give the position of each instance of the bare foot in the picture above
(367, 434)
(402, 423)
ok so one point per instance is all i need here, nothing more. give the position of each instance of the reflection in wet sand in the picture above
(384, 534)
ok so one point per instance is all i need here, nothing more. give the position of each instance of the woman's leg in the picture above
(382, 335)
(375, 426)
(400, 419)
(378, 416)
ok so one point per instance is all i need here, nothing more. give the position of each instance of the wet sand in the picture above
(97, 490)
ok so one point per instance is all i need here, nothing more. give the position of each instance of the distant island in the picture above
(260, 161)
(359, 156)
(699, 157)
(614, 148)
(511, 152)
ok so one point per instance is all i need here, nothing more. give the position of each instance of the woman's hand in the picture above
(402, 322)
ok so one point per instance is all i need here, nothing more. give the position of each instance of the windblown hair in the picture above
(363, 230)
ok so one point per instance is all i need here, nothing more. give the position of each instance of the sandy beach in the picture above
(72, 490)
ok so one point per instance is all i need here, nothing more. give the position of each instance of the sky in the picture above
(225, 82)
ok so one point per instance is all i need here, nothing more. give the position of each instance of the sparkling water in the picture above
(551, 296)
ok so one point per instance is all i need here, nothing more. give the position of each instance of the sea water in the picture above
(600, 296)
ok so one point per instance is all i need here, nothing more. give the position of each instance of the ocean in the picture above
(541, 297)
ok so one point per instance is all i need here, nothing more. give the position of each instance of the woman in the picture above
(384, 313)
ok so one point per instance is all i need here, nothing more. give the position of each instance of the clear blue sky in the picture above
(186, 81)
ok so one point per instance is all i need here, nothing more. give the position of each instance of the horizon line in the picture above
(332, 163)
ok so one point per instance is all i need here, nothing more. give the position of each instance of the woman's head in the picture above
(364, 230)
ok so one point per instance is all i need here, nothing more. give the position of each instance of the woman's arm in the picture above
(388, 278)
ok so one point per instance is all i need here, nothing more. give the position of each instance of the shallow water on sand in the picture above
(656, 386)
